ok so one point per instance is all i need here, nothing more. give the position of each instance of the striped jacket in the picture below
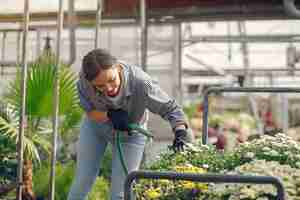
(142, 93)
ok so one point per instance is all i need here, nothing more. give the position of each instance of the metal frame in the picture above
(239, 11)
(60, 19)
(278, 38)
(3, 47)
(98, 24)
(236, 89)
(20, 146)
(177, 61)
(157, 17)
(215, 178)
(72, 48)
(71, 25)
(253, 71)
(144, 34)
(23, 104)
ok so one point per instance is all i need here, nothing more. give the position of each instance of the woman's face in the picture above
(108, 81)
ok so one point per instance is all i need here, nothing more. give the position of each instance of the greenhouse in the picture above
(149, 99)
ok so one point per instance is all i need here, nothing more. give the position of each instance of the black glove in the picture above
(180, 139)
(119, 119)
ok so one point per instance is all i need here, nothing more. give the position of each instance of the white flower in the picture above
(249, 155)
(189, 165)
(266, 149)
(205, 146)
(273, 153)
(245, 144)
(280, 135)
(205, 166)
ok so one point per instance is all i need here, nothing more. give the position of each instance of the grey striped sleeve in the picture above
(159, 102)
(84, 101)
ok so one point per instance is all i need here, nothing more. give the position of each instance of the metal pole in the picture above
(177, 59)
(3, 50)
(136, 45)
(23, 103)
(72, 32)
(204, 118)
(18, 47)
(245, 51)
(144, 36)
(98, 23)
(229, 43)
(38, 43)
(109, 38)
(285, 112)
(60, 18)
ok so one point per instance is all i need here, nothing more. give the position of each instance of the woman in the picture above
(114, 94)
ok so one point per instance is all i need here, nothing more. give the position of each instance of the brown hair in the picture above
(95, 61)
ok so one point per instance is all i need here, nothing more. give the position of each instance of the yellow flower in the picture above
(153, 193)
(188, 184)
(188, 168)
(202, 186)
(164, 182)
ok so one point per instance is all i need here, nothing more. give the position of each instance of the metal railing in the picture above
(206, 178)
(237, 89)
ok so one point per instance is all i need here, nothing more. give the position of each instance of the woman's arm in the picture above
(158, 102)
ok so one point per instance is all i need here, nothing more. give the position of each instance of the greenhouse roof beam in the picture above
(286, 38)
(255, 11)
(257, 71)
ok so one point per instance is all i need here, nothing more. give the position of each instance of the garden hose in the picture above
(132, 128)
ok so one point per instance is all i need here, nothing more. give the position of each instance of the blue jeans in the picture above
(93, 141)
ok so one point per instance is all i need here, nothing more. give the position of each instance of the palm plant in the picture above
(7, 156)
(39, 111)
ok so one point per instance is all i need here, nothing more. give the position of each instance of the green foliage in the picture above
(40, 106)
(289, 176)
(190, 110)
(7, 148)
(100, 190)
(280, 148)
(34, 137)
(8, 162)
(40, 89)
(268, 155)
(105, 170)
(63, 180)
(206, 157)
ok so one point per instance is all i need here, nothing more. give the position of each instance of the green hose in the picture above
(121, 152)
(133, 128)
(136, 127)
